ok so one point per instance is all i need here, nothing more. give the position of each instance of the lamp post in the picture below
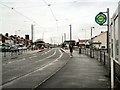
(101, 22)
(64, 36)
(91, 46)
(70, 32)
(85, 36)
(32, 28)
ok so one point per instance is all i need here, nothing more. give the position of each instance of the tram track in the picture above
(30, 71)
(50, 76)
(35, 70)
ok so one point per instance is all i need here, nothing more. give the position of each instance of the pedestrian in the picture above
(71, 49)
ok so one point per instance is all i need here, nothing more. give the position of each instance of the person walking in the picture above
(71, 49)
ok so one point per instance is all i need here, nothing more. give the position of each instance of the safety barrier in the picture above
(102, 56)
(11, 54)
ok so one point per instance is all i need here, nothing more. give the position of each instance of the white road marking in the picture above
(40, 69)
(34, 56)
(36, 61)
(46, 52)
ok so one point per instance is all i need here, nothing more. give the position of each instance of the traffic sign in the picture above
(100, 18)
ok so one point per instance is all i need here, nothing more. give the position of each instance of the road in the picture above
(33, 69)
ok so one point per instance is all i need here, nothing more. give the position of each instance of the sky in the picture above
(52, 18)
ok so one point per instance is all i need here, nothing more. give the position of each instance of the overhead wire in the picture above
(12, 8)
(18, 12)
(56, 20)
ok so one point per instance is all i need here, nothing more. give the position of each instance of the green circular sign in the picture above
(100, 18)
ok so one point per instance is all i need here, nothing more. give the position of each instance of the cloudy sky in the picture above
(51, 18)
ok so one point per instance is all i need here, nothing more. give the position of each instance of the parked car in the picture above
(4, 47)
(103, 47)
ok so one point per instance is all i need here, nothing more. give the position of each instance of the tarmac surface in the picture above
(80, 72)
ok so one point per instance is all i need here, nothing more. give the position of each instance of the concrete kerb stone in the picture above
(63, 50)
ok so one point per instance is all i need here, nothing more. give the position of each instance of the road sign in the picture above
(100, 18)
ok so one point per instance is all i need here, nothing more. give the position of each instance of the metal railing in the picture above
(11, 54)
(102, 57)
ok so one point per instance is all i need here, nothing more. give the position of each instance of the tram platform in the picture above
(81, 71)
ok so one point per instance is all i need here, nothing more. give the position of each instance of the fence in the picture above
(102, 56)
(11, 54)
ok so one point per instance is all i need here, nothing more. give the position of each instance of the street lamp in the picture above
(70, 32)
(91, 46)
(85, 36)
(64, 36)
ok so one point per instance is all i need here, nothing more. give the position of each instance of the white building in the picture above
(100, 41)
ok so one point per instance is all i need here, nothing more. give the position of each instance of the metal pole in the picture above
(91, 44)
(85, 38)
(64, 36)
(108, 51)
(70, 33)
(111, 63)
(32, 35)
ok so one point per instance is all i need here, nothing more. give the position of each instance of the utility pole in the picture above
(70, 32)
(32, 35)
(64, 36)
(108, 29)
(91, 46)
(111, 62)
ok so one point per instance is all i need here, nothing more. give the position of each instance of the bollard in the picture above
(79, 50)
(93, 53)
(90, 52)
(4, 54)
(97, 55)
(85, 51)
(100, 57)
(104, 59)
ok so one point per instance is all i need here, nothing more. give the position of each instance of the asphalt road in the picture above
(32, 69)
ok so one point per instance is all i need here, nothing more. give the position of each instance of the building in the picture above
(39, 44)
(3, 38)
(83, 43)
(14, 40)
(115, 48)
(100, 41)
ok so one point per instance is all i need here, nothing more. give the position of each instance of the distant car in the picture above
(4, 48)
(24, 47)
(20, 46)
(103, 48)
(66, 47)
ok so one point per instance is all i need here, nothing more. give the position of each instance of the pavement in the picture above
(81, 71)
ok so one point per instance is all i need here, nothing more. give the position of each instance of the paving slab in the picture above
(80, 72)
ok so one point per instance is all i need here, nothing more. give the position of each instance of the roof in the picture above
(99, 34)
(3, 36)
